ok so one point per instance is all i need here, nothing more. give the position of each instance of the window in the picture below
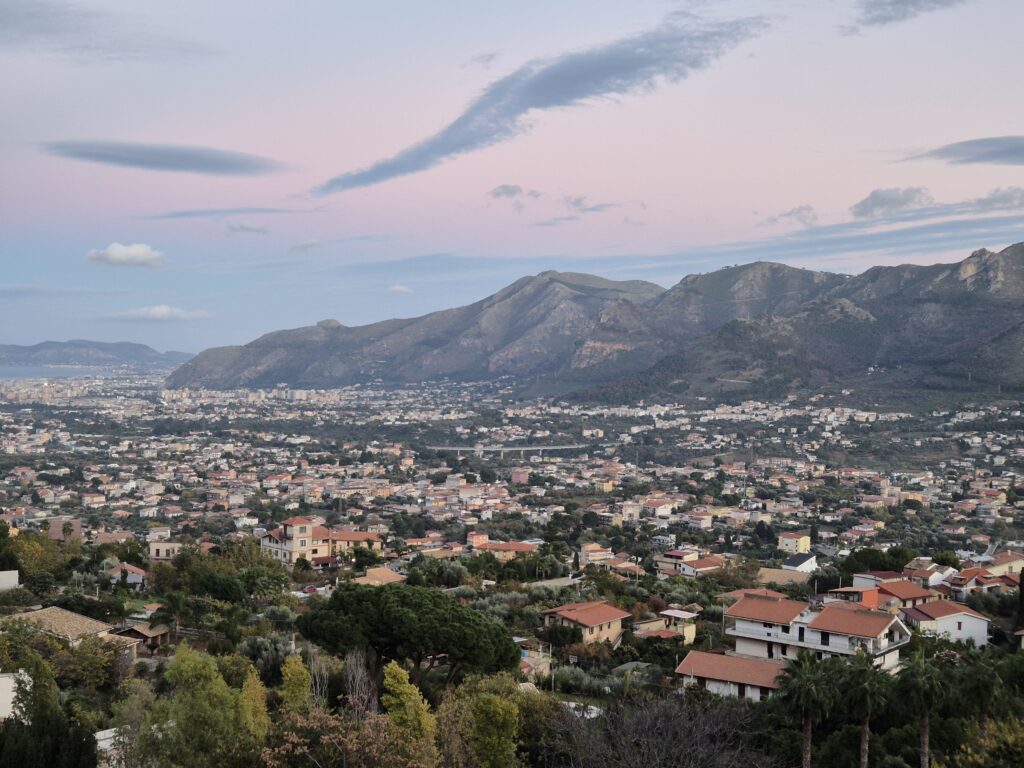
(785, 629)
(302, 543)
(591, 630)
(825, 638)
(302, 529)
(959, 625)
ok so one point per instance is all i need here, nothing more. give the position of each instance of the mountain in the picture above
(941, 327)
(92, 353)
(757, 328)
(527, 329)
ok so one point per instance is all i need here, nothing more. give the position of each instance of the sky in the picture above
(195, 174)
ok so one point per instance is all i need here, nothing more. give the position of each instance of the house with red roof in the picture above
(953, 621)
(731, 675)
(599, 620)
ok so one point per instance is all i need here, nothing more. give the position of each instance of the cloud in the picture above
(579, 204)
(674, 50)
(506, 190)
(885, 202)
(85, 33)
(997, 150)
(879, 13)
(246, 227)
(17, 291)
(804, 215)
(400, 288)
(134, 255)
(307, 245)
(482, 60)
(217, 213)
(557, 221)
(160, 313)
(176, 158)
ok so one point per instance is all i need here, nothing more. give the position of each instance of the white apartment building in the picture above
(773, 628)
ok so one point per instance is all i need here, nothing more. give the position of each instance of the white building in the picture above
(950, 620)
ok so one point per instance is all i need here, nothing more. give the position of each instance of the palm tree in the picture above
(866, 690)
(921, 683)
(979, 683)
(172, 607)
(807, 686)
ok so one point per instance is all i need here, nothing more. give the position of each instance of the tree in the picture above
(296, 685)
(204, 722)
(921, 684)
(39, 734)
(128, 721)
(253, 707)
(495, 730)
(405, 623)
(807, 688)
(410, 715)
(172, 607)
(979, 684)
(866, 690)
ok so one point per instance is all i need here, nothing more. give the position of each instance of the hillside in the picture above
(757, 328)
(82, 352)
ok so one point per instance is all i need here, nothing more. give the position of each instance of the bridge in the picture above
(479, 450)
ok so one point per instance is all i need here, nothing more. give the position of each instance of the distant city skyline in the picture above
(195, 175)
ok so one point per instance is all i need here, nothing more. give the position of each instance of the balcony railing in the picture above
(837, 643)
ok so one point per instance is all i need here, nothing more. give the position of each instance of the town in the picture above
(576, 553)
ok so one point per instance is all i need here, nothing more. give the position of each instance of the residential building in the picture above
(599, 620)
(765, 627)
(730, 675)
(794, 543)
(953, 621)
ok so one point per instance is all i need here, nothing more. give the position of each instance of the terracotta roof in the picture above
(590, 614)
(66, 624)
(903, 590)
(940, 609)
(732, 669)
(736, 594)
(847, 619)
(767, 609)
(507, 546)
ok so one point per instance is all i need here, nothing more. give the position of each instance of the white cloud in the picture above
(399, 288)
(134, 255)
(161, 313)
(804, 215)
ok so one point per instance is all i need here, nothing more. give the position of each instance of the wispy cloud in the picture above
(85, 33)
(400, 288)
(579, 204)
(880, 13)
(134, 255)
(916, 204)
(246, 228)
(886, 202)
(506, 190)
(482, 60)
(804, 215)
(310, 245)
(160, 313)
(677, 48)
(219, 213)
(177, 158)
(996, 150)
(557, 221)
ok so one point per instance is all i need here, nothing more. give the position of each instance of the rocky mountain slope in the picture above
(944, 326)
(82, 352)
(760, 327)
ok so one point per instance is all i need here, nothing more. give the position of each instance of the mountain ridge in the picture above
(86, 352)
(765, 324)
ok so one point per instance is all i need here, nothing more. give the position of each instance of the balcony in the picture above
(836, 643)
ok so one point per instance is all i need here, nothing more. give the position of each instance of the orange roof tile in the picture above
(766, 609)
(732, 669)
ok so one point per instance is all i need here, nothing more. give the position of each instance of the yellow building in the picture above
(795, 543)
